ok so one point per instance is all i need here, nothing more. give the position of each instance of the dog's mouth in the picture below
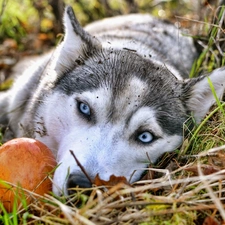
(79, 180)
(83, 180)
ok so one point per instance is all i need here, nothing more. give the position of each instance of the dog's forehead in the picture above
(116, 107)
(130, 98)
(114, 68)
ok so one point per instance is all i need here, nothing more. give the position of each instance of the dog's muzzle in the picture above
(77, 180)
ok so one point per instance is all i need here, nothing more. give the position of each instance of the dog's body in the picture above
(116, 98)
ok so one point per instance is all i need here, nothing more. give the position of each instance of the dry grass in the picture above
(182, 195)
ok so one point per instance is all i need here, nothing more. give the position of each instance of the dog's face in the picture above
(116, 115)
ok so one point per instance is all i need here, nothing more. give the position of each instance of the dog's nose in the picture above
(77, 180)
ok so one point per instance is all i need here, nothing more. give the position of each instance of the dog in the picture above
(116, 93)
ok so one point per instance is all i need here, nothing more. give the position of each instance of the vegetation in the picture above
(185, 187)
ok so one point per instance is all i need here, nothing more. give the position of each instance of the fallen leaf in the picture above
(210, 221)
(10, 43)
(113, 180)
(206, 169)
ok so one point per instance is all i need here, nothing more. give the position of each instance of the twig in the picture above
(219, 32)
(81, 167)
(215, 199)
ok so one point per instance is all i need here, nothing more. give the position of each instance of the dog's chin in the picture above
(65, 184)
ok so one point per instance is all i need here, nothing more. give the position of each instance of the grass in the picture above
(185, 188)
(184, 195)
(212, 56)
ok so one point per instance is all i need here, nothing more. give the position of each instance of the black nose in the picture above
(77, 180)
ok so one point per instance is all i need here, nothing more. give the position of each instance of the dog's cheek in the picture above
(59, 180)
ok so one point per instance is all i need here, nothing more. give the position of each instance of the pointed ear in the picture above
(77, 43)
(199, 96)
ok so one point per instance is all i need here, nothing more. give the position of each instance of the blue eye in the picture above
(145, 137)
(84, 109)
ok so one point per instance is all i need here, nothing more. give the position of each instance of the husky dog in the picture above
(116, 93)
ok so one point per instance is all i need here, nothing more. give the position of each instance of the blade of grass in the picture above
(218, 102)
(201, 125)
(197, 64)
(14, 213)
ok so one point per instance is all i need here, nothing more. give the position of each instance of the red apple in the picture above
(26, 164)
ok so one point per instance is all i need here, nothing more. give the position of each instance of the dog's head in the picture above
(115, 109)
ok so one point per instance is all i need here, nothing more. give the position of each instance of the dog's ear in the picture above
(198, 92)
(77, 42)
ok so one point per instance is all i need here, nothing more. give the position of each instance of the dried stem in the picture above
(81, 167)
